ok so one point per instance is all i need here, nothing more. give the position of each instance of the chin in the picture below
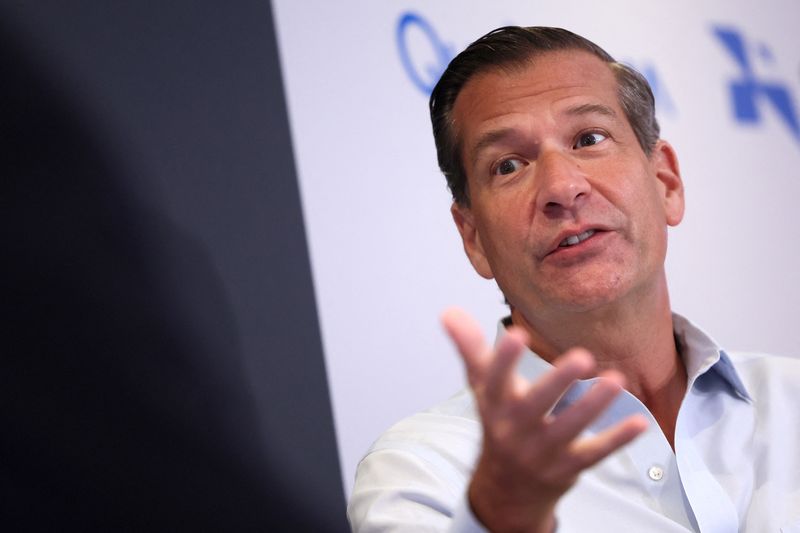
(595, 294)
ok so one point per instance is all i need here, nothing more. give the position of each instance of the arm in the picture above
(530, 459)
(431, 473)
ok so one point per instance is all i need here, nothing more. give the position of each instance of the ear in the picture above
(465, 222)
(668, 173)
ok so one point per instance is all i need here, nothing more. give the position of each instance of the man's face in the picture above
(567, 212)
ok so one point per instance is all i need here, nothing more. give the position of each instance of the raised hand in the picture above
(530, 458)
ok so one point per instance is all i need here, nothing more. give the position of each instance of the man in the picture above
(563, 193)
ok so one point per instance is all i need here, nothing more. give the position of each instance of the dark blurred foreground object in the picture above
(124, 401)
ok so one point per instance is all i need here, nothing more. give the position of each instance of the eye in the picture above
(589, 139)
(507, 166)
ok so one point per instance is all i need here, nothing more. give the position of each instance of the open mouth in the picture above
(572, 240)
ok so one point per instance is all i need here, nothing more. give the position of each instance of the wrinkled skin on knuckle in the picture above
(504, 432)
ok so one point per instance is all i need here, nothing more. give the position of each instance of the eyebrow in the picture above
(587, 109)
(488, 139)
(494, 136)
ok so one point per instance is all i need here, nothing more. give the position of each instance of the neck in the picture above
(637, 340)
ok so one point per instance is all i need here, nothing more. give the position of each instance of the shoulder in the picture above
(766, 373)
(416, 472)
(450, 429)
(763, 363)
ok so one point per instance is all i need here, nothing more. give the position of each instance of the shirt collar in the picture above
(701, 355)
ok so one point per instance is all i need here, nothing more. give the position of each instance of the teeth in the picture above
(575, 239)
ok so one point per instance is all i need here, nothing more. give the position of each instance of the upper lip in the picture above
(569, 232)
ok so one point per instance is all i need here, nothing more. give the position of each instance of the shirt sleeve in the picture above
(399, 490)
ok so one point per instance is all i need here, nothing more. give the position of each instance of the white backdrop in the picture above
(386, 257)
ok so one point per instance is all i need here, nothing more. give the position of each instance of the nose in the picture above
(562, 185)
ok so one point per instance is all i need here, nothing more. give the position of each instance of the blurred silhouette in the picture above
(123, 399)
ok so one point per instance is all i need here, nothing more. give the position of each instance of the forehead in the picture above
(536, 90)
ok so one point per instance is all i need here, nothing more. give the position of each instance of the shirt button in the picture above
(655, 473)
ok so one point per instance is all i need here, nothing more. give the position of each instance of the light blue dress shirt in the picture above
(736, 464)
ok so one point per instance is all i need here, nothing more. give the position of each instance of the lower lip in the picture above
(584, 249)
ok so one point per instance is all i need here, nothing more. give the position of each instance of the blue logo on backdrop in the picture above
(416, 34)
(425, 75)
(425, 55)
(748, 93)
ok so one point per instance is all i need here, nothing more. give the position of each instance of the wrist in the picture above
(497, 510)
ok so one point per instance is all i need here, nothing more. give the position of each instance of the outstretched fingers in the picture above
(575, 364)
(530, 457)
(592, 450)
(491, 371)
(466, 334)
(573, 420)
(501, 380)
(492, 374)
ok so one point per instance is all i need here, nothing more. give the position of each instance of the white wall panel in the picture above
(386, 257)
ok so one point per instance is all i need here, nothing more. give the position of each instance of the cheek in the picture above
(505, 239)
(650, 228)
(507, 215)
(638, 199)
